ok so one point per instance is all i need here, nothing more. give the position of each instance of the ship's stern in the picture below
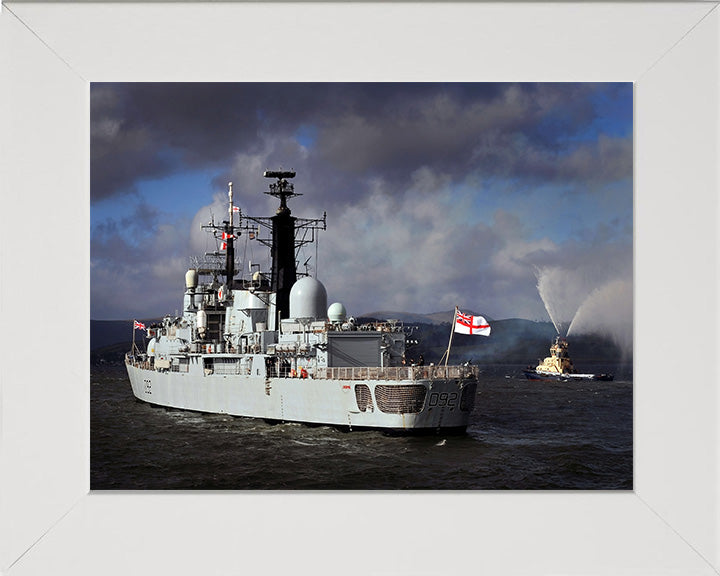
(416, 405)
(136, 373)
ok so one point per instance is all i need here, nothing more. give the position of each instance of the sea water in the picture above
(523, 435)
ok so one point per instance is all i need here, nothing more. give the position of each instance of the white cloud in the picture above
(412, 253)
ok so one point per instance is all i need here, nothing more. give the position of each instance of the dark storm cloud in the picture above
(493, 135)
(514, 157)
(362, 130)
(143, 130)
(444, 129)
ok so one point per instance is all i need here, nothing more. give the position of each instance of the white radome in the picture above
(308, 299)
(337, 312)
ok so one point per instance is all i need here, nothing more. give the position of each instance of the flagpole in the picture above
(452, 331)
(133, 345)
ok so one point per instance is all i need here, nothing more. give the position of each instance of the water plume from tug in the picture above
(608, 311)
(577, 307)
(562, 292)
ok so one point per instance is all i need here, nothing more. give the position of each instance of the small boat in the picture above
(559, 366)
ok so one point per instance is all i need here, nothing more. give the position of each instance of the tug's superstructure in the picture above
(268, 346)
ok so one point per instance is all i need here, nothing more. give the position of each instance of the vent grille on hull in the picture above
(363, 397)
(403, 399)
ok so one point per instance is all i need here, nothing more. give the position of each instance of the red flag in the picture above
(138, 325)
(223, 246)
(225, 235)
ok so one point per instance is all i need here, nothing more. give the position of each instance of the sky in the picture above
(497, 198)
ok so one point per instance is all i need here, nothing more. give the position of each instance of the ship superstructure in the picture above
(268, 346)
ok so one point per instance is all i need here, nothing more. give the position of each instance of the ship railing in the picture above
(397, 373)
(137, 363)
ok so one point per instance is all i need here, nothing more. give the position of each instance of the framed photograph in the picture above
(345, 271)
(50, 520)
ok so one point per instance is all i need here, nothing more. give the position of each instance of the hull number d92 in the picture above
(443, 399)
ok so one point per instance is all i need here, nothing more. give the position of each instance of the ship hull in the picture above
(437, 404)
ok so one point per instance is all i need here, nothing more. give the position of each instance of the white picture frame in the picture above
(49, 520)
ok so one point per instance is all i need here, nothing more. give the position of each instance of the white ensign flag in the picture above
(466, 324)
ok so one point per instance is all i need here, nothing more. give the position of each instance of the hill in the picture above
(411, 318)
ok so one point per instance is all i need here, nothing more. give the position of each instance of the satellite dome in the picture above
(308, 299)
(337, 312)
(191, 279)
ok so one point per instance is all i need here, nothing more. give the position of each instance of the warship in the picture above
(264, 344)
(559, 366)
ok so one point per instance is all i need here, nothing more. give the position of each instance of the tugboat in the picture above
(559, 366)
(267, 345)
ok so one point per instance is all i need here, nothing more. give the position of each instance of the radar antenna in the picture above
(282, 188)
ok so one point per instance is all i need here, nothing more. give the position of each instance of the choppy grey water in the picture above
(523, 435)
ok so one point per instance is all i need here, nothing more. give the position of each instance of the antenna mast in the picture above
(284, 273)
(288, 234)
(229, 237)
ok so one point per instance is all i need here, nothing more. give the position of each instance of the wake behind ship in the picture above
(268, 346)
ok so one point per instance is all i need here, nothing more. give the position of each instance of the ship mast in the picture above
(288, 234)
(284, 273)
(230, 253)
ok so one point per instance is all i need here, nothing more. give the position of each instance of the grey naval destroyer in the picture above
(266, 345)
